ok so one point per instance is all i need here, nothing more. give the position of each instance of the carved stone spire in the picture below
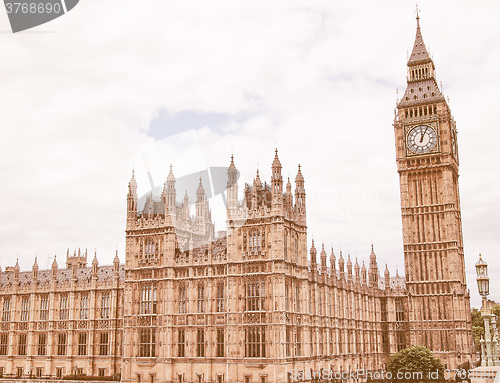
(232, 186)
(116, 264)
(422, 86)
(333, 268)
(95, 266)
(276, 180)
(313, 254)
(419, 54)
(387, 277)
(323, 258)
(35, 269)
(54, 268)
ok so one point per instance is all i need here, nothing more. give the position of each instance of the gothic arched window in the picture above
(285, 245)
(182, 298)
(296, 248)
(254, 241)
(255, 293)
(150, 249)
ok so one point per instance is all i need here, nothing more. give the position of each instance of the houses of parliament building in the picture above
(253, 304)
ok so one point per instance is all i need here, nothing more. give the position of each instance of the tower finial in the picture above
(418, 17)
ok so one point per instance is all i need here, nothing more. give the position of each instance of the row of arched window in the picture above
(426, 110)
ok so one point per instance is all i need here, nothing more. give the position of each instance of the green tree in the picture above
(415, 364)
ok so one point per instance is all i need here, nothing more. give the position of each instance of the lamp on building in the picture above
(483, 281)
(489, 356)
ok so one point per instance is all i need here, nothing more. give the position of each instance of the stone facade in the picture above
(254, 304)
(438, 303)
(251, 305)
(62, 321)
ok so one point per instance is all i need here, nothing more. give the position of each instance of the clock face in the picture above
(421, 139)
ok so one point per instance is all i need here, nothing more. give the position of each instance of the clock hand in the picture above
(423, 134)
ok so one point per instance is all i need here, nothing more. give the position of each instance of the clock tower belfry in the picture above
(438, 309)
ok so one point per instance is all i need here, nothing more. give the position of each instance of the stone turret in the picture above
(54, 268)
(116, 265)
(95, 266)
(349, 267)
(313, 256)
(289, 195)
(357, 275)
(232, 187)
(77, 260)
(387, 277)
(333, 269)
(373, 270)
(323, 259)
(35, 270)
(201, 206)
(341, 266)
(364, 276)
(276, 182)
(170, 193)
(16, 271)
(300, 196)
(132, 200)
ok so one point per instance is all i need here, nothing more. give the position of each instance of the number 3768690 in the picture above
(33, 7)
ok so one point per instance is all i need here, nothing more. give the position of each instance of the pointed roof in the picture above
(200, 189)
(481, 261)
(257, 182)
(421, 89)
(231, 165)
(132, 182)
(276, 162)
(323, 255)
(313, 252)
(299, 176)
(419, 54)
(170, 176)
(332, 260)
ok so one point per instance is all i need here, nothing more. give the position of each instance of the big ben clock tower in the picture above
(438, 307)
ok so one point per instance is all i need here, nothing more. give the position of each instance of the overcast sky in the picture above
(113, 86)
